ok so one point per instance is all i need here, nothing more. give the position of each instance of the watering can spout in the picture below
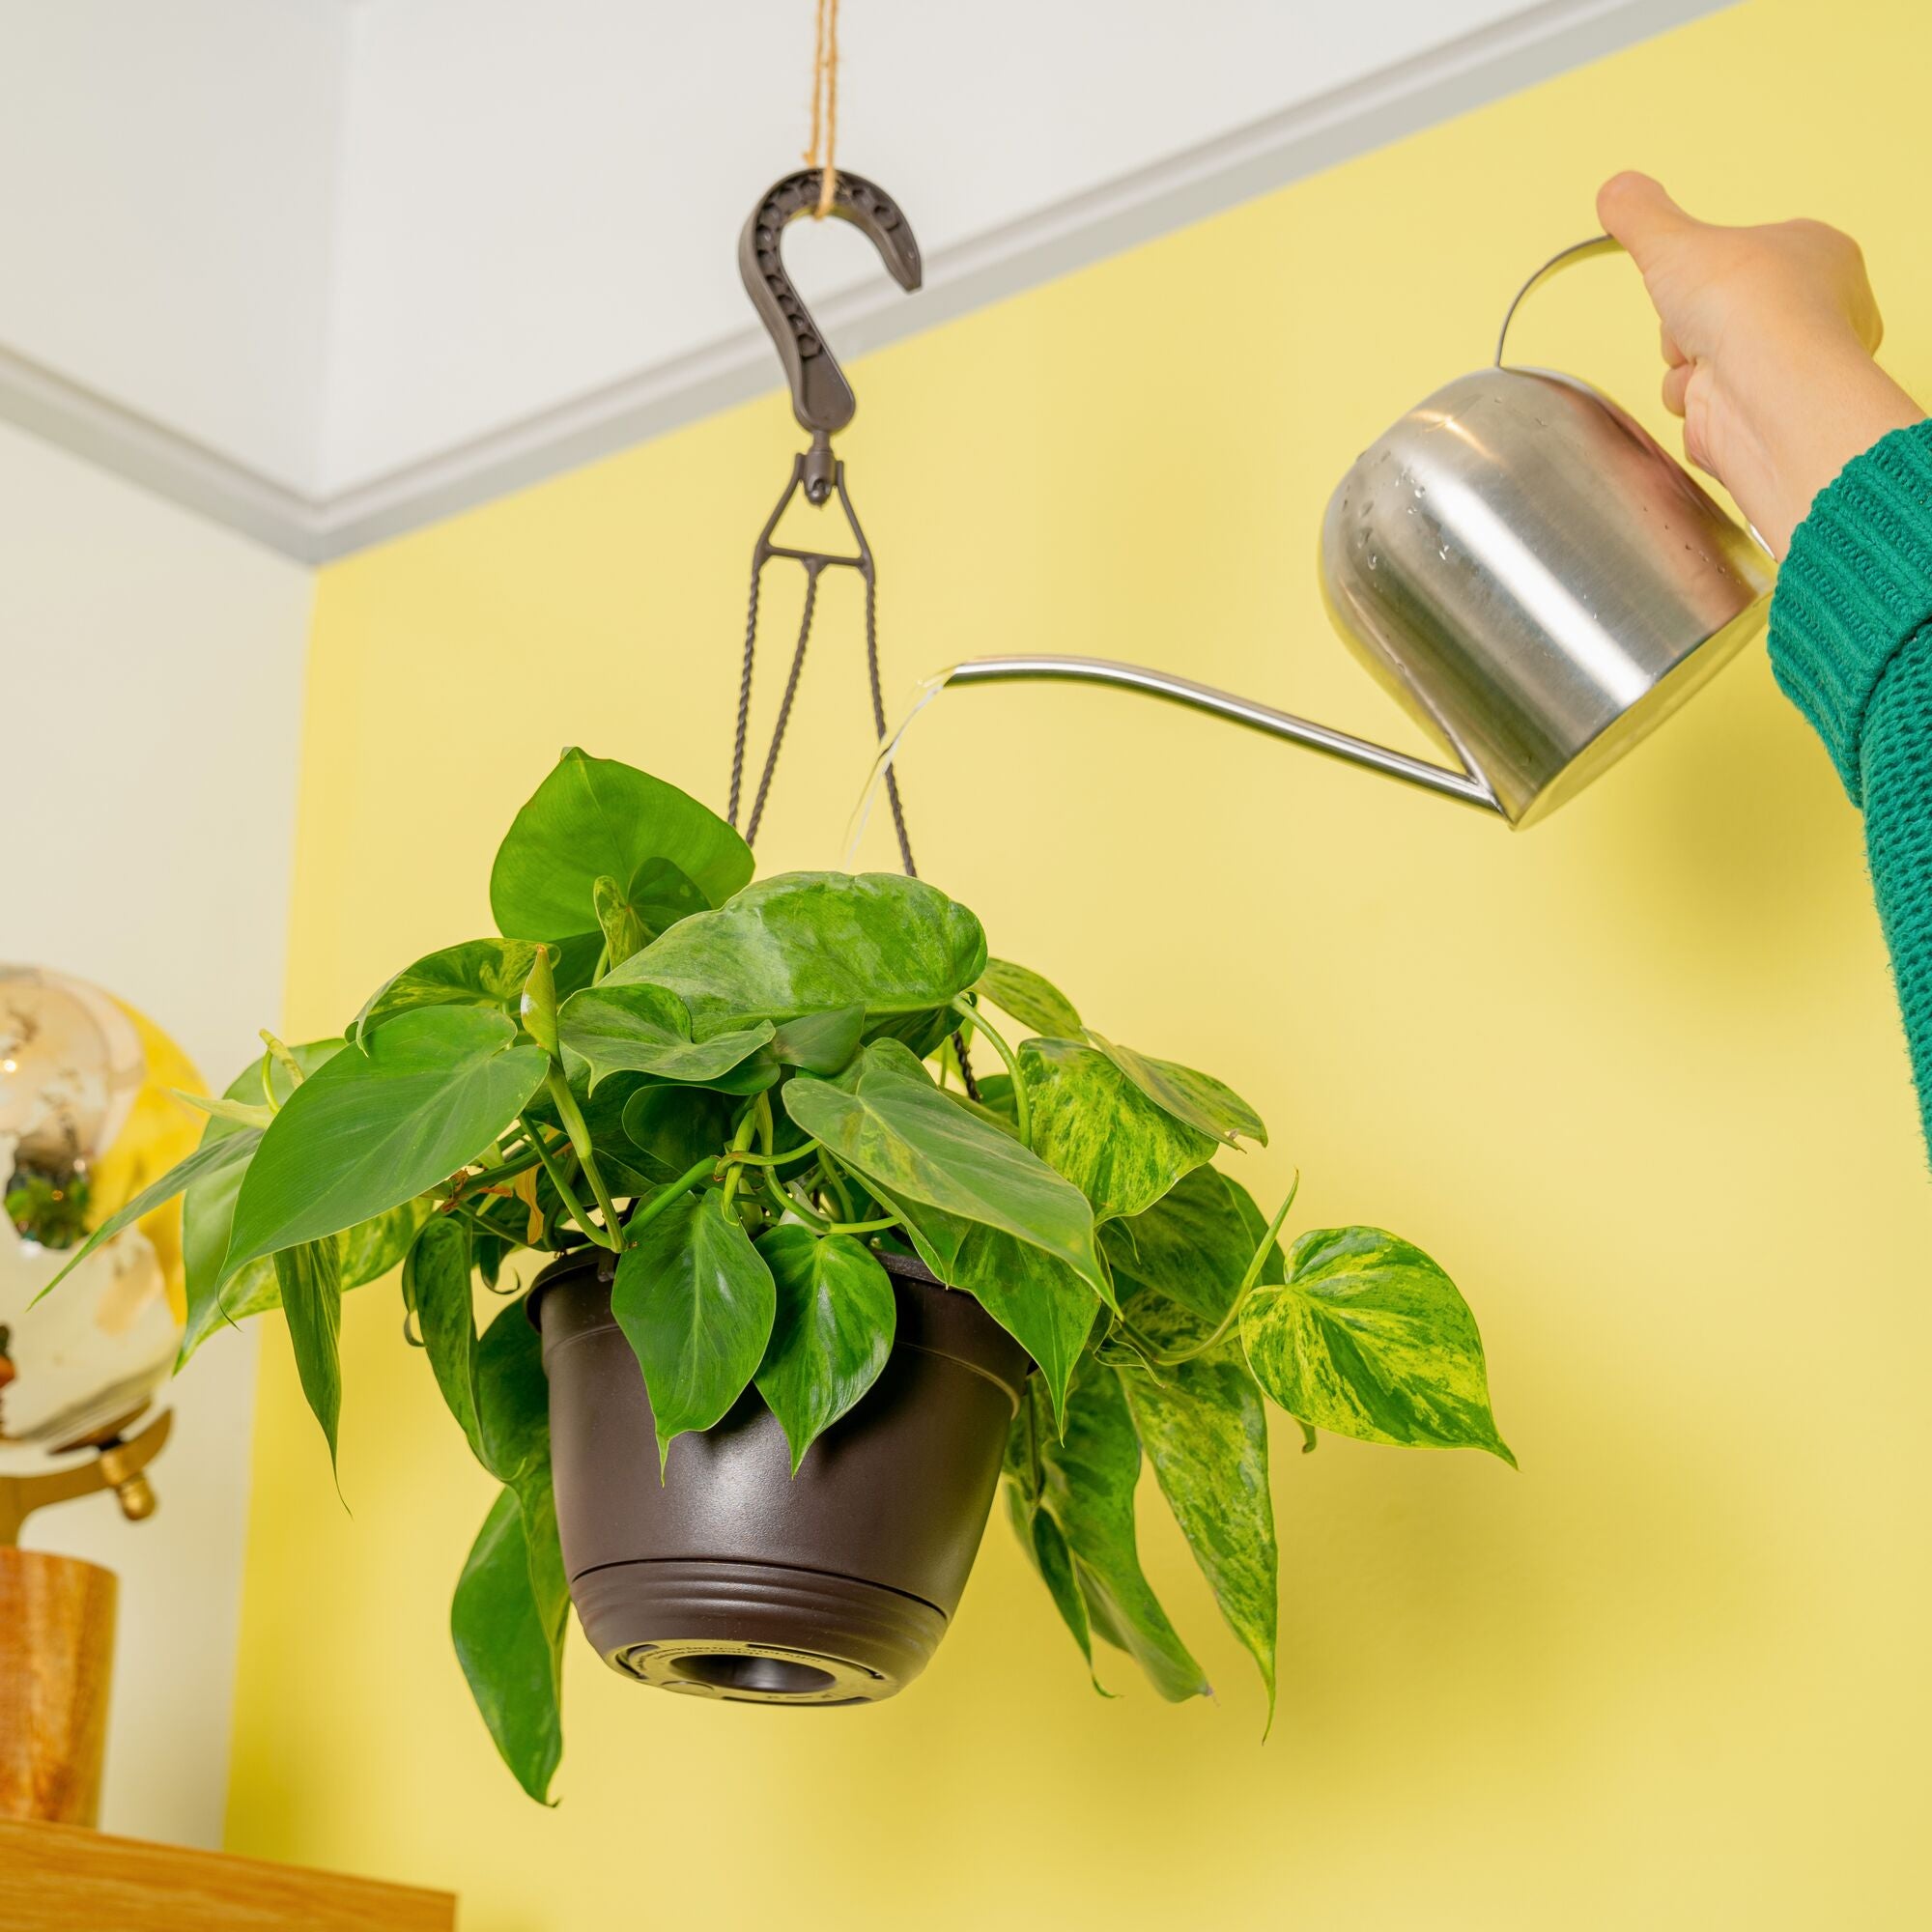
(1463, 785)
(1531, 577)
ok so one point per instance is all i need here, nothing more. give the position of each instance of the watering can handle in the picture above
(1579, 252)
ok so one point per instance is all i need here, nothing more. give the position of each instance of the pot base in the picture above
(756, 1632)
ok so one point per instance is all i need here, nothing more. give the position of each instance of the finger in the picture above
(1672, 354)
(1635, 210)
(1677, 387)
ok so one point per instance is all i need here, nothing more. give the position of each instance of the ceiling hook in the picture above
(821, 398)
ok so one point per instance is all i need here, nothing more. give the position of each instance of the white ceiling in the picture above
(328, 267)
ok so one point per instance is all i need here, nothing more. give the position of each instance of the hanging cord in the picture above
(823, 145)
(811, 571)
(879, 725)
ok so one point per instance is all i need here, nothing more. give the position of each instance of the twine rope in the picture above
(822, 148)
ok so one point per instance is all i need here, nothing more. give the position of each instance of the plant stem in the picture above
(1241, 1292)
(495, 1177)
(1022, 1116)
(642, 1217)
(829, 1168)
(741, 1141)
(862, 1226)
(572, 1116)
(787, 1203)
(804, 1152)
(604, 1239)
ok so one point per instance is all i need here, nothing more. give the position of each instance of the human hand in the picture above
(1769, 333)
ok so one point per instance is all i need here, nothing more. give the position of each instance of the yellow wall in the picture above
(1635, 1076)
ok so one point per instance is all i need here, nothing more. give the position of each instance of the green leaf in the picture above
(644, 1029)
(512, 1398)
(886, 1119)
(1039, 1300)
(214, 1156)
(1090, 1476)
(478, 973)
(310, 1282)
(1096, 1126)
(595, 818)
(1204, 1430)
(697, 1305)
(237, 1113)
(1034, 1002)
(435, 1284)
(810, 943)
(509, 1640)
(673, 1128)
(819, 1042)
(832, 1333)
(371, 1248)
(1195, 1243)
(1053, 1562)
(364, 1253)
(208, 1208)
(1196, 1100)
(621, 924)
(369, 1130)
(537, 1007)
(1369, 1338)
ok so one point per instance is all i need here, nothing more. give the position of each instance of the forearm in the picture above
(1851, 641)
(1896, 765)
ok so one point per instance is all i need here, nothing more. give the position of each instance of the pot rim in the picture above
(574, 1260)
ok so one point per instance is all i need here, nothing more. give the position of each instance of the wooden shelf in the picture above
(61, 1878)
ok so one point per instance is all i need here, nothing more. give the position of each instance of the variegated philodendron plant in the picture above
(746, 1091)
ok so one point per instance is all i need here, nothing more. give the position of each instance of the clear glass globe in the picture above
(71, 1065)
(82, 1127)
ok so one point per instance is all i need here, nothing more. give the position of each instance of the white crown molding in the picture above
(1397, 100)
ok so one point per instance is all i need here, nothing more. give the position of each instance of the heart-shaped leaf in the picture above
(885, 1117)
(832, 1334)
(642, 1029)
(1033, 1001)
(1369, 1338)
(1196, 1100)
(1204, 1432)
(370, 1130)
(697, 1305)
(1095, 1126)
(807, 943)
(595, 818)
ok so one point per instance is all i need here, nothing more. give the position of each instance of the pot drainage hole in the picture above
(757, 1676)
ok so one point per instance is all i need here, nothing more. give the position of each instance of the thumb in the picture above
(1635, 210)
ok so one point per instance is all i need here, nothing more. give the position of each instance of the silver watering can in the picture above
(1526, 569)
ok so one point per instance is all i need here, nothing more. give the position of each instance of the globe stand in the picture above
(57, 1637)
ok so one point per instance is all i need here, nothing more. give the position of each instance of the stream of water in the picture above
(923, 693)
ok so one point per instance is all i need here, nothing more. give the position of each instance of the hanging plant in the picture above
(810, 1286)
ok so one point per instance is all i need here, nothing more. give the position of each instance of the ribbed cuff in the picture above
(1855, 586)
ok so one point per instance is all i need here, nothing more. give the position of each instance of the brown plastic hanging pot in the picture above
(733, 1578)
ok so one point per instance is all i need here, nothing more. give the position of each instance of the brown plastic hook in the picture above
(821, 398)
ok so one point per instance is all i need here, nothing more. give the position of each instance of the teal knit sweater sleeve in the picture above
(1851, 642)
